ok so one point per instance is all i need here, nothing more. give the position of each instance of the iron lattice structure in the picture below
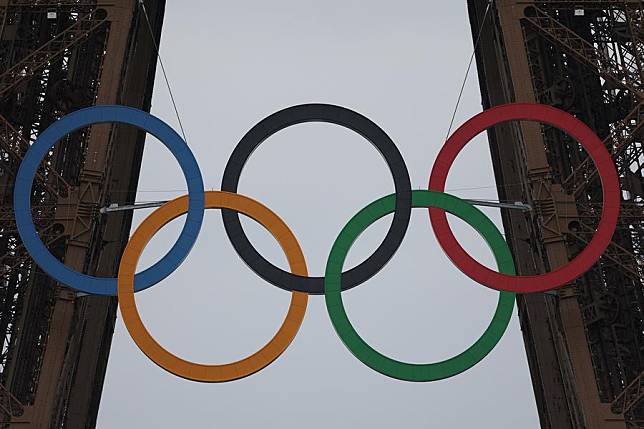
(585, 343)
(57, 57)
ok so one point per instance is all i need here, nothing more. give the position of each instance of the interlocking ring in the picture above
(334, 282)
(334, 115)
(607, 173)
(184, 368)
(96, 115)
(412, 371)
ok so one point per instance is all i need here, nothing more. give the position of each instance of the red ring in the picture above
(607, 173)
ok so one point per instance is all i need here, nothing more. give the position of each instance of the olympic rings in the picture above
(339, 116)
(607, 173)
(90, 116)
(381, 363)
(298, 282)
(181, 367)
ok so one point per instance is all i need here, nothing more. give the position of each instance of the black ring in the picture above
(334, 115)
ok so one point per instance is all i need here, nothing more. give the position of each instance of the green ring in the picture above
(410, 371)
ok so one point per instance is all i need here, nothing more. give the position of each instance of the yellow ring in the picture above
(196, 371)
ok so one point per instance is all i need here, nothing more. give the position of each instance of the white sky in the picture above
(399, 63)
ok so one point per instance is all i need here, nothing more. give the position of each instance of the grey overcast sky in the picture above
(400, 63)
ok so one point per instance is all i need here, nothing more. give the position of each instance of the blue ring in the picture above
(95, 115)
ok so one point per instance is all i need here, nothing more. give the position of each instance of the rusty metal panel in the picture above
(56, 57)
(585, 344)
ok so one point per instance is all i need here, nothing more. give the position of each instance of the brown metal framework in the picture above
(585, 343)
(57, 56)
